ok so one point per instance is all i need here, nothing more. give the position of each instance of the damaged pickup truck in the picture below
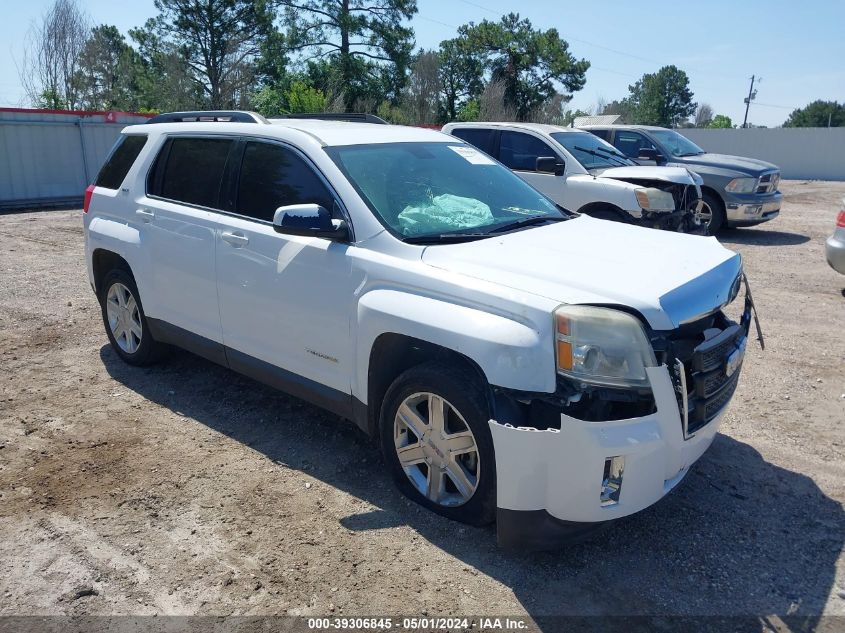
(515, 361)
(583, 173)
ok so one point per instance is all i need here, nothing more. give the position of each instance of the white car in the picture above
(583, 173)
(514, 361)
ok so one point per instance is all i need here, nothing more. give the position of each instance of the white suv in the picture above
(515, 361)
(581, 172)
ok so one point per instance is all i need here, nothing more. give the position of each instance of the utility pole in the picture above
(751, 94)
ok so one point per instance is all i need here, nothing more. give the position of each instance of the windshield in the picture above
(676, 144)
(591, 151)
(435, 189)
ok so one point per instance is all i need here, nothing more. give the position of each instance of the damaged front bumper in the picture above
(554, 485)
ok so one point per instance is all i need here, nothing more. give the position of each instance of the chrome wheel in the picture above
(436, 449)
(124, 318)
(703, 214)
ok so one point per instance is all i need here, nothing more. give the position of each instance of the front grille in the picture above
(768, 182)
(708, 386)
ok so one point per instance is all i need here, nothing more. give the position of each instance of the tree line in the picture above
(289, 56)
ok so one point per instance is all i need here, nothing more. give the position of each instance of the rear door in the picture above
(184, 189)
(285, 300)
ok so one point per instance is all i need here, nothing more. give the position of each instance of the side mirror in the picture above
(550, 165)
(649, 153)
(310, 220)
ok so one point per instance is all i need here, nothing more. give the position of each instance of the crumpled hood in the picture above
(670, 278)
(750, 166)
(644, 172)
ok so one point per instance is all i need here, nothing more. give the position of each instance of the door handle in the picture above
(145, 214)
(235, 239)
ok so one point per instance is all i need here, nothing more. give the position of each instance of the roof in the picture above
(327, 133)
(625, 126)
(543, 128)
(601, 119)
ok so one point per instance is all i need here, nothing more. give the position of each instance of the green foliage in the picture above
(662, 98)
(818, 114)
(219, 40)
(161, 75)
(301, 97)
(470, 111)
(721, 121)
(50, 100)
(461, 76)
(527, 61)
(107, 71)
(363, 43)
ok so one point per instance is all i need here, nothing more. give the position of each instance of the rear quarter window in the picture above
(120, 160)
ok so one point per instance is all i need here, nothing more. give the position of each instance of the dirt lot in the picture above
(186, 489)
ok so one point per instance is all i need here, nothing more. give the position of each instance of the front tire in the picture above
(437, 443)
(125, 322)
(716, 210)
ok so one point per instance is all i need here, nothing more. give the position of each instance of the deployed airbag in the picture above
(444, 213)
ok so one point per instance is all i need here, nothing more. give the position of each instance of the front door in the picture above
(285, 301)
(519, 152)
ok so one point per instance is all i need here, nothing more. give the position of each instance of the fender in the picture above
(513, 354)
(124, 240)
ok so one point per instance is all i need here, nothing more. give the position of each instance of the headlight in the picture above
(742, 185)
(602, 346)
(652, 199)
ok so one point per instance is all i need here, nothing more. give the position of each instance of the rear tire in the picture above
(447, 462)
(125, 322)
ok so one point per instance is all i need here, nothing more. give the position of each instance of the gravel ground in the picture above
(187, 489)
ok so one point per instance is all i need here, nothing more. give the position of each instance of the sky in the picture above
(796, 48)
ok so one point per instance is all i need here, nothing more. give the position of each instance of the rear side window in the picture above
(120, 160)
(520, 151)
(481, 138)
(602, 134)
(191, 170)
(273, 176)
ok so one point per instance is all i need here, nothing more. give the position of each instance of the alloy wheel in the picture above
(436, 449)
(124, 318)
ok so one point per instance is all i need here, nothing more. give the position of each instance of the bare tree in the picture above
(51, 57)
(703, 115)
(422, 97)
(491, 103)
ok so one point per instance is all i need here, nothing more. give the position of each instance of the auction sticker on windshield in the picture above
(472, 155)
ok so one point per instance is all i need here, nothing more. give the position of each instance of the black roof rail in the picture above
(358, 117)
(200, 116)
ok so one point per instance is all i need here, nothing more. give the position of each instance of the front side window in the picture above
(273, 176)
(590, 151)
(520, 151)
(630, 143)
(191, 170)
(433, 189)
(120, 160)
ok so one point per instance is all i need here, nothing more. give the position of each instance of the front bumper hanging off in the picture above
(550, 482)
(558, 484)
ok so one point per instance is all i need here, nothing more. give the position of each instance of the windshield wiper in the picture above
(604, 154)
(444, 238)
(692, 154)
(527, 222)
